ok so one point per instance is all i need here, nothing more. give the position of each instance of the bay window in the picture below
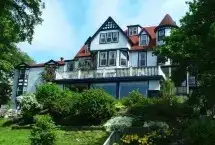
(142, 59)
(103, 58)
(123, 58)
(112, 58)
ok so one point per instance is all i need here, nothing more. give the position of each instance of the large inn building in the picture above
(113, 59)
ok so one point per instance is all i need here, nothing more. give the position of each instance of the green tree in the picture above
(192, 47)
(18, 19)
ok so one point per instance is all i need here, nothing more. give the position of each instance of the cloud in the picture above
(150, 12)
(55, 36)
(67, 24)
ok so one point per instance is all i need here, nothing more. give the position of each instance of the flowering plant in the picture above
(118, 123)
(28, 105)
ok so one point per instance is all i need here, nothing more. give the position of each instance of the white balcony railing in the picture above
(108, 73)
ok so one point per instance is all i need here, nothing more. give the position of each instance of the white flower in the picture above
(118, 123)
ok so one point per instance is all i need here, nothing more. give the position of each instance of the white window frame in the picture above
(161, 34)
(100, 58)
(109, 58)
(102, 39)
(146, 39)
(133, 31)
(109, 36)
(115, 35)
(140, 59)
(121, 58)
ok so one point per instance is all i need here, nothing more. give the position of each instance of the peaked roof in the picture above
(22, 65)
(167, 21)
(43, 64)
(152, 42)
(114, 26)
(82, 52)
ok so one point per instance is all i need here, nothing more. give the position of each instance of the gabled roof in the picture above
(82, 52)
(43, 64)
(167, 21)
(24, 65)
(134, 26)
(152, 42)
(51, 62)
(114, 25)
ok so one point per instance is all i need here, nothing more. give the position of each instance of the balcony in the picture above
(110, 73)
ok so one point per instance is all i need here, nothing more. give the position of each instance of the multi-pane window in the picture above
(112, 58)
(115, 36)
(142, 59)
(102, 38)
(71, 66)
(123, 58)
(108, 58)
(103, 58)
(110, 37)
(144, 40)
(161, 34)
(133, 31)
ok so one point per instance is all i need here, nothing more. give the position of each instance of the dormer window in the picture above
(144, 40)
(133, 31)
(161, 34)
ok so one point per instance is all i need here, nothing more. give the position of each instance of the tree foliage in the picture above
(192, 47)
(18, 19)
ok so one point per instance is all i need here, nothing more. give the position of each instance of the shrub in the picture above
(63, 106)
(95, 106)
(133, 98)
(43, 131)
(29, 106)
(200, 132)
(118, 123)
(162, 109)
(64, 110)
(47, 93)
(168, 89)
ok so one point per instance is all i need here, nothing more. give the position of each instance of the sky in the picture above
(68, 23)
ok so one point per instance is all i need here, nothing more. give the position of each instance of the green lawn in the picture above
(21, 137)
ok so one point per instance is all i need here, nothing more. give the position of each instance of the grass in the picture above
(82, 137)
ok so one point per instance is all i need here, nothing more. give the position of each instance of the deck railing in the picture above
(108, 73)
